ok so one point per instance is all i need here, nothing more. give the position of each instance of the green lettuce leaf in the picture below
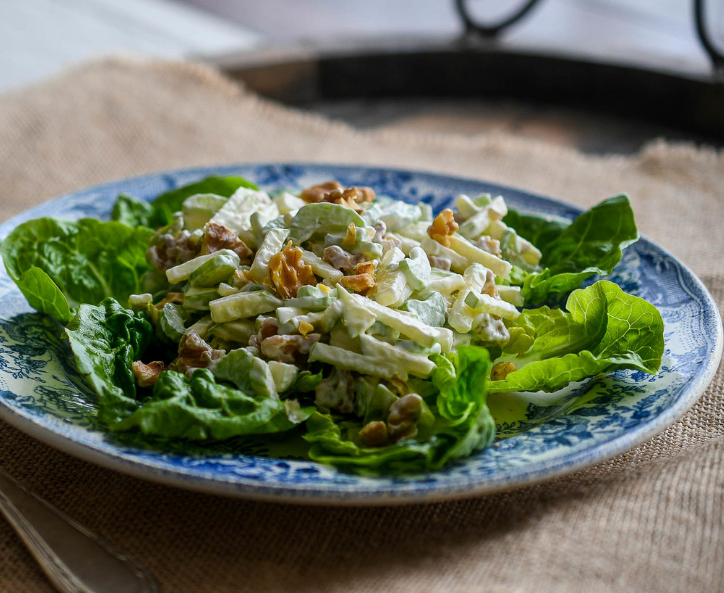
(105, 340)
(463, 424)
(201, 409)
(44, 295)
(539, 230)
(60, 264)
(133, 212)
(590, 245)
(603, 330)
(304, 382)
(159, 212)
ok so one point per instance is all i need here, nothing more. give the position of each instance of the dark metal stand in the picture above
(717, 58)
(490, 31)
(490, 69)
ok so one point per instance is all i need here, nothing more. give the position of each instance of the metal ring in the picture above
(716, 57)
(491, 30)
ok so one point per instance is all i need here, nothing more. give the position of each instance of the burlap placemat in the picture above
(649, 520)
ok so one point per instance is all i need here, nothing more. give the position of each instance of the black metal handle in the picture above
(717, 58)
(492, 30)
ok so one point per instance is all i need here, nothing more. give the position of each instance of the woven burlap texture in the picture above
(649, 520)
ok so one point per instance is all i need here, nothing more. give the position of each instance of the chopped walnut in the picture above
(241, 278)
(489, 244)
(187, 246)
(288, 272)
(443, 226)
(441, 263)
(340, 259)
(501, 370)
(365, 267)
(390, 241)
(336, 392)
(218, 237)
(335, 193)
(400, 386)
(267, 328)
(387, 240)
(147, 374)
(171, 297)
(316, 193)
(360, 283)
(194, 353)
(403, 416)
(287, 348)
(491, 329)
(169, 250)
(490, 288)
(374, 434)
(366, 194)
(344, 197)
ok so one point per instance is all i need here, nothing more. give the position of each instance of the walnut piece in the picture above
(442, 227)
(489, 244)
(267, 328)
(490, 288)
(403, 416)
(501, 370)
(335, 193)
(218, 237)
(387, 240)
(359, 283)
(374, 434)
(288, 272)
(441, 263)
(340, 259)
(316, 193)
(147, 374)
(194, 353)
(336, 392)
(344, 197)
(365, 267)
(288, 348)
(170, 249)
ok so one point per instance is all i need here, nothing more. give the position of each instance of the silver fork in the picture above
(74, 559)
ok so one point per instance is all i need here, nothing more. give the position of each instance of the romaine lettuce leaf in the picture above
(133, 212)
(304, 382)
(200, 408)
(159, 212)
(105, 340)
(462, 424)
(603, 330)
(590, 245)
(539, 230)
(60, 264)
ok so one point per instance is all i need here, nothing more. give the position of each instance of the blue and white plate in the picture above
(540, 436)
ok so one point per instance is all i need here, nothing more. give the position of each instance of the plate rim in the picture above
(295, 494)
